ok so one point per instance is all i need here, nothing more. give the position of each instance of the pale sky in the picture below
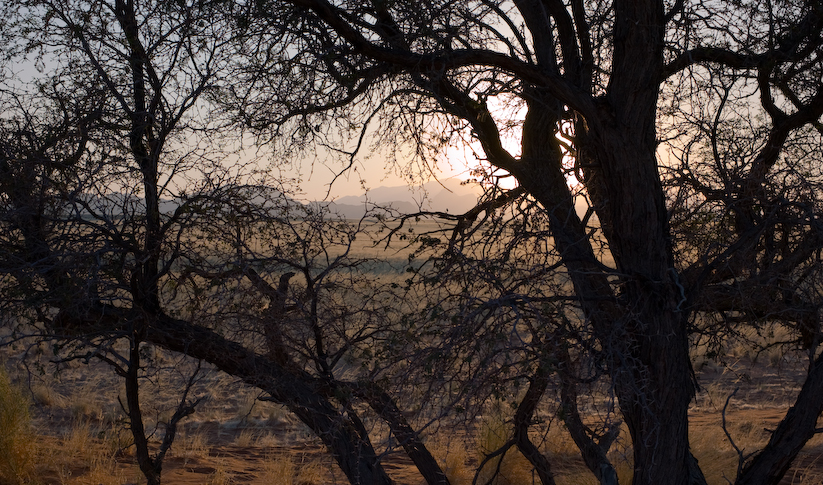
(370, 174)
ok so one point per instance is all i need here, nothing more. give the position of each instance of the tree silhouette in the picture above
(725, 226)
(667, 194)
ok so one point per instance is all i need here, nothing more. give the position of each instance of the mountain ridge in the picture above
(449, 195)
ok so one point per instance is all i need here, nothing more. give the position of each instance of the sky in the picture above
(320, 174)
(318, 179)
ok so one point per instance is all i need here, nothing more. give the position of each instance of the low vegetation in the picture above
(235, 438)
(17, 447)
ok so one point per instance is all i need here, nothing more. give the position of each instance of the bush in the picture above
(17, 452)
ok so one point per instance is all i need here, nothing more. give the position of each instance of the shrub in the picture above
(17, 452)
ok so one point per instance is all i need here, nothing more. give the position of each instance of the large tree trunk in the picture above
(640, 323)
(642, 329)
(650, 361)
(654, 389)
(646, 339)
(643, 334)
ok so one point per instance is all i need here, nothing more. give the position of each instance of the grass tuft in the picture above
(246, 438)
(17, 451)
(452, 458)
(282, 469)
(512, 468)
(191, 445)
(221, 476)
(278, 469)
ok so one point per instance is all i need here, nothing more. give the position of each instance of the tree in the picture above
(128, 221)
(109, 96)
(595, 91)
(524, 295)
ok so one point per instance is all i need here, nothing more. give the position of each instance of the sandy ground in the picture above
(249, 464)
(234, 438)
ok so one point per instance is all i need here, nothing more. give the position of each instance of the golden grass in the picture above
(247, 437)
(246, 406)
(808, 474)
(46, 396)
(102, 470)
(86, 448)
(78, 439)
(221, 476)
(453, 459)
(116, 440)
(267, 439)
(284, 469)
(278, 470)
(82, 444)
(310, 472)
(512, 468)
(714, 452)
(716, 456)
(568, 465)
(84, 455)
(17, 452)
(190, 445)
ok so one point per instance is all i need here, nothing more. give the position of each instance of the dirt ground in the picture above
(226, 462)
(234, 438)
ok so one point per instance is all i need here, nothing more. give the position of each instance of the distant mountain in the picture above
(444, 196)
(356, 211)
(116, 203)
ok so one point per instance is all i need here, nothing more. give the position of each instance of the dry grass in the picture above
(190, 445)
(45, 395)
(102, 470)
(511, 468)
(310, 472)
(453, 458)
(84, 455)
(267, 439)
(810, 473)
(78, 439)
(221, 476)
(247, 437)
(282, 469)
(246, 407)
(714, 452)
(17, 452)
(116, 440)
(569, 466)
(278, 470)
(86, 442)
(717, 458)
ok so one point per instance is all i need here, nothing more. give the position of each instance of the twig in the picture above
(729, 436)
